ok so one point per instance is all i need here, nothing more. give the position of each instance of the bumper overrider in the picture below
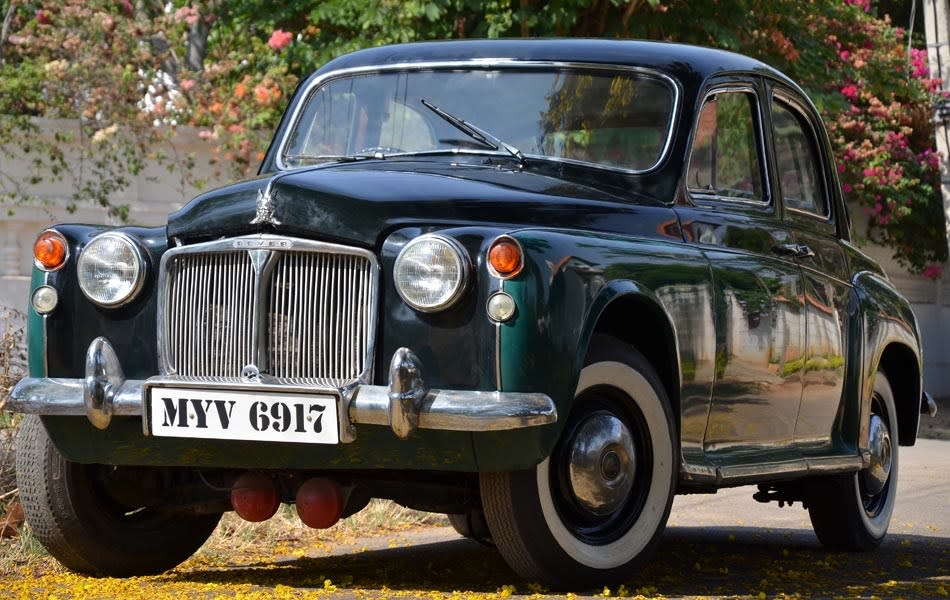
(405, 405)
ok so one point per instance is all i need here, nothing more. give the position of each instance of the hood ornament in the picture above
(265, 209)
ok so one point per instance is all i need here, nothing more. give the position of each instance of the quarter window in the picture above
(796, 158)
(724, 160)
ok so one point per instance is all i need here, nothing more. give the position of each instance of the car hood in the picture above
(361, 203)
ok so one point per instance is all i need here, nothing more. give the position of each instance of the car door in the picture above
(758, 303)
(805, 182)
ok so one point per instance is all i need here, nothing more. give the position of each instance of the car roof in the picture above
(683, 61)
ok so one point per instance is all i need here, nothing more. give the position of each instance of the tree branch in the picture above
(5, 29)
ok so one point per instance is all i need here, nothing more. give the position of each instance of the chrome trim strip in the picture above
(46, 276)
(498, 380)
(740, 474)
(493, 63)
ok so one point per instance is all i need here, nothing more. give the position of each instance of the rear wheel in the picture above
(80, 515)
(472, 525)
(852, 511)
(594, 510)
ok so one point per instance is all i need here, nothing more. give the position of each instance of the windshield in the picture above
(617, 119)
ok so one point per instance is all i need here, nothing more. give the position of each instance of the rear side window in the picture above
(724, 160)
(796, 157)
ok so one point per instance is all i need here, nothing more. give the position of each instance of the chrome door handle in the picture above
(793, 250)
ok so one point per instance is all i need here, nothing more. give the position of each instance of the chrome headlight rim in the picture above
(137, 283)
(465, 270)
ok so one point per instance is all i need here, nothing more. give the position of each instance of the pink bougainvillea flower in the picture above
(849, 91)
(932, 271)
(279, 39)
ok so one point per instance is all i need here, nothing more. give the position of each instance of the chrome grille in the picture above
(298, 311)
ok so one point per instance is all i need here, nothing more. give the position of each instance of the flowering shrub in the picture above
(117, 65)
(82, 61)
(876, 100)
(883, 137)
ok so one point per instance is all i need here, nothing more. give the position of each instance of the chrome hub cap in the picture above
(602, 464)
(875, 476)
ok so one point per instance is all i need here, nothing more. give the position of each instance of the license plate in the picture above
(242, 415)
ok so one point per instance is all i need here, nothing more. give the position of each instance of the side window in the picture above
(796, 156)
(724, 159)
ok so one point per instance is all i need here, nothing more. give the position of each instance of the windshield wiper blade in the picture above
(320, 158)
(475, 132)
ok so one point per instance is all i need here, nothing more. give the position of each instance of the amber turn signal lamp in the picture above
(49, 250)
(505, 257)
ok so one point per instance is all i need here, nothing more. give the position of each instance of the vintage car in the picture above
(538, 285)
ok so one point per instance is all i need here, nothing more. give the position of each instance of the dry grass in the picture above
(286, 532)
(21, 548)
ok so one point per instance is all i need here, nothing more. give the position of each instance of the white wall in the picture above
(930, 300)
(154, 193)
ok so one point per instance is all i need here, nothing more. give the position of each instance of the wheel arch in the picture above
(902, 367)
(891, 338)
(652, 333)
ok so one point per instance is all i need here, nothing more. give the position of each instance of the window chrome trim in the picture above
(795, 106)
(714, 196)
(485, 64)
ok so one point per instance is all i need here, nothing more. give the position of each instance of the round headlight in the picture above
(431, 272)
(111, 269)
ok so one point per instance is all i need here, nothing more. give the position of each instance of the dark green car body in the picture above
(764, 324)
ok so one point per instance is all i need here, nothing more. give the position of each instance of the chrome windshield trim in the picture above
(494, 63)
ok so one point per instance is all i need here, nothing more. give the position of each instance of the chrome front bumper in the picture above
(405, 405)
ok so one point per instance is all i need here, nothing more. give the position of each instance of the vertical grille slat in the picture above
(316, 318)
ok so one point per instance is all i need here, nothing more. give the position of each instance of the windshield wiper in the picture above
(474, 132)
(322, 158)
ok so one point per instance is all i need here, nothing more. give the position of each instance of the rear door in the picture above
(805, 183)
(758, 303)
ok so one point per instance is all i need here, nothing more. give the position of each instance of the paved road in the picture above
(722, 545)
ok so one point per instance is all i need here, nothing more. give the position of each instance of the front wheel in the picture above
(594, 510)
(81, 515)
(852, 511)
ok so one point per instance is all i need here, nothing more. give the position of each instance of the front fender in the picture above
(574, 284)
